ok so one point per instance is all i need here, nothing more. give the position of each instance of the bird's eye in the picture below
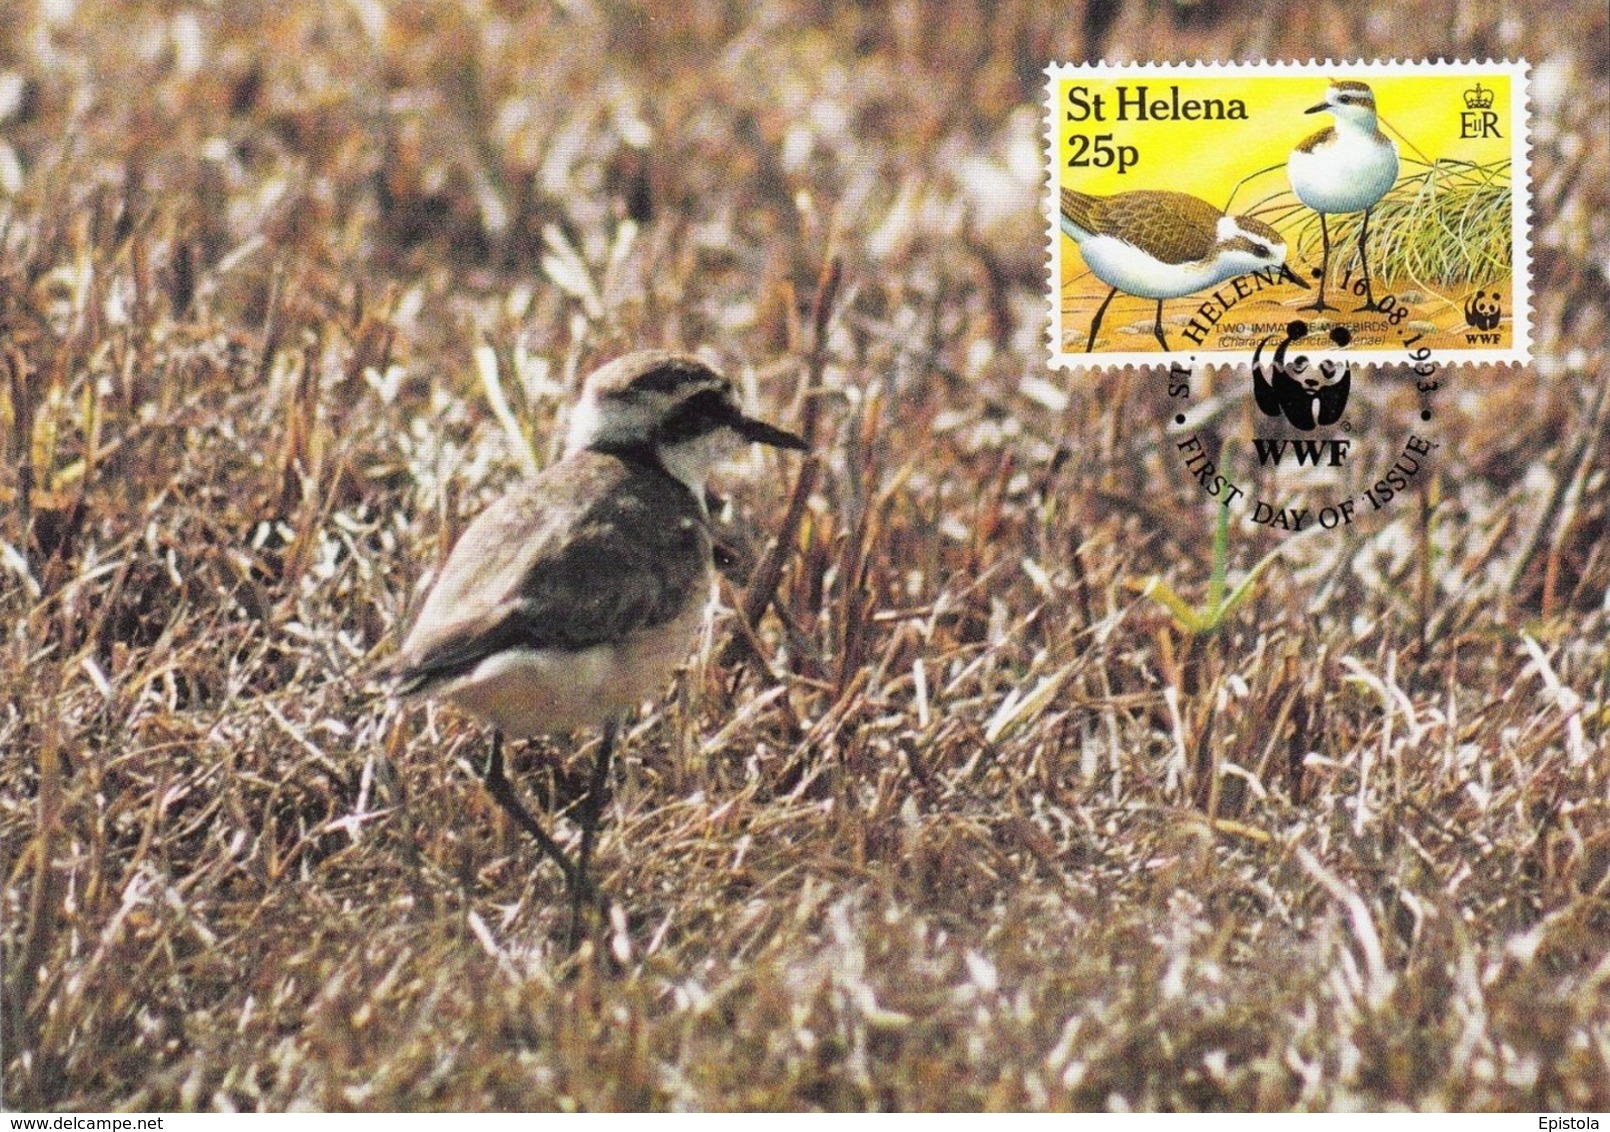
(1262, 252)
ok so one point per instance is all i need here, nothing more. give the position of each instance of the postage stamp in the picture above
(1199, 210)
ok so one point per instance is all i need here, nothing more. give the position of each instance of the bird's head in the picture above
(674, 405)
(1248, 244)
(1350, 101)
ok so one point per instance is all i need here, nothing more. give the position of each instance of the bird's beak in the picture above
(1317, 109)
(762, 433)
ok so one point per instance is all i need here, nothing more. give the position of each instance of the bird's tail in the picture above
(1079, 209)
(397, 675)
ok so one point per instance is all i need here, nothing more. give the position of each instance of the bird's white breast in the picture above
(529, 692)
(1137, 272)
(1348, 173)
(1134, 272)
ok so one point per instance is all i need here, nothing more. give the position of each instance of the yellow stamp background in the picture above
(1239, 166)
(1206, 159)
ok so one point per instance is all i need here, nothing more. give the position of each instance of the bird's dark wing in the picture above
(1314, 141)
(1173, 227)
(583, 555)
(1080, 208)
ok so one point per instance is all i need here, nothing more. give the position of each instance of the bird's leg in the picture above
(1095, 323)
(502, 791)
(1320, 304)
(1363, 257)
(592, 808)
(1157, 326)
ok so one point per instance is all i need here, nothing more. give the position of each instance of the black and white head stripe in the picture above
(676, 377)
(655, 399)
(1351, 93)
(699, 415)
(713, 409)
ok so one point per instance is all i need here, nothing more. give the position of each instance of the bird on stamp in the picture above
(1156, 244)
(1344, 168)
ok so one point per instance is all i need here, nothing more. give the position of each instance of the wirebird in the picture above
(1347, 167)
(1156, 244)
(570, 601)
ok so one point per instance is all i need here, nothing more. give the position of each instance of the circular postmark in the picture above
(1298, 470)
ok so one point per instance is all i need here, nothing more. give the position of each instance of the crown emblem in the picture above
(1478, 99)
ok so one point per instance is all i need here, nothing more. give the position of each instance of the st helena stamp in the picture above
(1197, 209)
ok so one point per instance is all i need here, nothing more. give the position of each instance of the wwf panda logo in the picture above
(1482, 311)
(1307, 396)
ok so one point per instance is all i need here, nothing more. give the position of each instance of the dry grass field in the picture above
(963, 815)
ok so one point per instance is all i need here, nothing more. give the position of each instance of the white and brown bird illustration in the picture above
(1157, 244)
(1347, 167)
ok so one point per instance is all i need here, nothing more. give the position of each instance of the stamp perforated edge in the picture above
(1519, 352)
